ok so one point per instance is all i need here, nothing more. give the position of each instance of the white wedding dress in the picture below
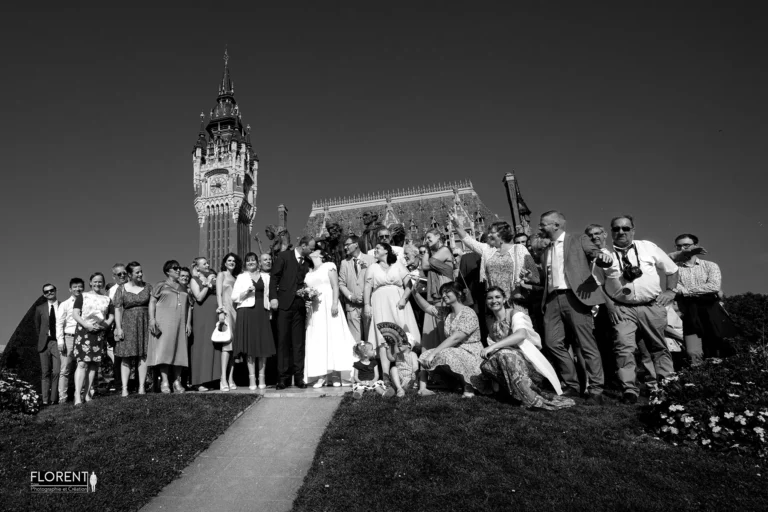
(329, 342)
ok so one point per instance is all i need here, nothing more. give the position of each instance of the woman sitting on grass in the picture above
(459, 353)
(512, 357)
(404, 373)
(365, 373)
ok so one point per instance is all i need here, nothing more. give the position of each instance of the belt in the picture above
(557, 292)
(636, 304)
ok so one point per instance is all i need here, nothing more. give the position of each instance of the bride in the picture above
(329, 341)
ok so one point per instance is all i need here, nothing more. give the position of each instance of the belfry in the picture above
(225, 169)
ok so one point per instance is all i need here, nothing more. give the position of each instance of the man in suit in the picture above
(287, 277)
(570, 291)
(352, 283)
(47, 347)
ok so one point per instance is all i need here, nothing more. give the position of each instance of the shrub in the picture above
(719, 405)
(749, 311)
(17, 396)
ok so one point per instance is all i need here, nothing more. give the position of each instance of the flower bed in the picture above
(16, 395)
(721, 405)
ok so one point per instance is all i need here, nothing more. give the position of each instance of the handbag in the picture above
(222, 332)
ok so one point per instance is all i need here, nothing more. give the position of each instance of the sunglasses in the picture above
(49, 290)
(121, 274)
(176, 268)
(385, 236)
(625, 229)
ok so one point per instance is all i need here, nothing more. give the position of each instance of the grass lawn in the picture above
(135, 446)
(448, 453)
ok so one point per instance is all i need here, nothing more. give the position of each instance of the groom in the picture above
(288, 272)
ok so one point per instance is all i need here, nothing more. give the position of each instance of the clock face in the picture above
(218, 185)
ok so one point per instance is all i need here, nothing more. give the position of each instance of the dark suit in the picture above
(287, 277)
(571, 311)
(50, 359)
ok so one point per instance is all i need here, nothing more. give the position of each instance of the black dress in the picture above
(253, 332)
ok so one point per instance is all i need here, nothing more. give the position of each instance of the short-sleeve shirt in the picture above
(646, 287)
(365, 371)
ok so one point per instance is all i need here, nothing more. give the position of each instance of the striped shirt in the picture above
(698, 278)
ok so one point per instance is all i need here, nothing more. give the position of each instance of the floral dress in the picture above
(135, 321)
(462, 359)
(96, 309)
(510, 367)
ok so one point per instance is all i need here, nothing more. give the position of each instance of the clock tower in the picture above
(225, 169)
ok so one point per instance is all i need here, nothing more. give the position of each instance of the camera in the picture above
(631, 273)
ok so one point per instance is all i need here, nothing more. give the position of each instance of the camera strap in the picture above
(626, 255)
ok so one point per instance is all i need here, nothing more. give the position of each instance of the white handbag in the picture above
(222, 333)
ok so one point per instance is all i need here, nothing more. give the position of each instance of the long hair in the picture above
(238, 264)
(391, 256)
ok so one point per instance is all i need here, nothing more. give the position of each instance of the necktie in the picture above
(52, 323)
(356, 271)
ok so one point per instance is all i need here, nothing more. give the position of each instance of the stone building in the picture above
(416, 209)
(225, 169)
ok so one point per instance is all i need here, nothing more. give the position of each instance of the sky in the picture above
(652, 111)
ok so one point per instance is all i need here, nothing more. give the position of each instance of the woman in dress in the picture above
(94, 315)
(438, 266)
(132, 324)
(385, 298)
(231, 267)
(504, 263)
(169, 328)
(513, 358)
(205, 364)
(329, 341)
(459, 353)
(253, 332)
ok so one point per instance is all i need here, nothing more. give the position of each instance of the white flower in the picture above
(705, 442)
(714, 419)
(736, 383)
(732, 395)
(687, 419)
(750, 382)
(759, 431)
(740, 419)
(715, 360)
(674, 408)
(664, 428)
(689, 385)
(715, 429)
(671, 421)
(748, 413)
(662, 415)
(673, 430)
(728, 415)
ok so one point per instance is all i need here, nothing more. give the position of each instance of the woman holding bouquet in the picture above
(387, 288)
(329, 340)
(94, 315)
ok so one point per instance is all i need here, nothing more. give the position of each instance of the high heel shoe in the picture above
(320, 383)
(262, 382)
(232, 385)
(223, 386)
(252, 378)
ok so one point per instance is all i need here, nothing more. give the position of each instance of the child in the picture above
(404, 373)
(365, 373)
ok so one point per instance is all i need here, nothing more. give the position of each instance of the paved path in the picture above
(260, 462)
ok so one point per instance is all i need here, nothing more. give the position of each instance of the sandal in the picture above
(223, 386)
(252, 378)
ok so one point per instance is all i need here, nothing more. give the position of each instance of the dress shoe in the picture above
(319, 383)
(593, 399)
(280, 384)
(629, 398)
(300, 384)
(571, 393)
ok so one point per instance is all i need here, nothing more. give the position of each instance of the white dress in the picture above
(329, 342)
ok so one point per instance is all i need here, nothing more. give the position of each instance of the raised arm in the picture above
(198, 292)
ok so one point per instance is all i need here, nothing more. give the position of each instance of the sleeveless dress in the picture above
(253, 332)
(171, 317)
(88, 346)
(205, 359)
(329, 342)
(518, 374)
(229, 306)
(462, 359)
(387, 290)
(135, 321)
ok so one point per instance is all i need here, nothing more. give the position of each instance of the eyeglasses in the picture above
(49, 290)
(121, 274)
(594, 234)
(683, 246)
(176, 268)
(625, 229)
(350, 243)
(384, 236)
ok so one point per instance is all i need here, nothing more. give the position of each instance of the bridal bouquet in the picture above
(308, 293)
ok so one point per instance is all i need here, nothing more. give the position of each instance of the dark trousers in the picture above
(50, 364)
(290, 341)
(566, 314)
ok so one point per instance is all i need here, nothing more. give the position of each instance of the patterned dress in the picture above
(93, 308)
(510, 368)
(135, 321)
(406, 369)
(171, 317)
(462, 359)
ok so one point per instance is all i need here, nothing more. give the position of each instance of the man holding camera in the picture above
(632, 282)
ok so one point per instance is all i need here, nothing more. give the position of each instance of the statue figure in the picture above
(372, 225)
(398, 234)
(283, 242)
(335, 243)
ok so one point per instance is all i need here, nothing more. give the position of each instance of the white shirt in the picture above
(556, 264)
(112, 291)
(65, 323)
(298, 255)
(245, 299)
(395, 249)
(646, 287)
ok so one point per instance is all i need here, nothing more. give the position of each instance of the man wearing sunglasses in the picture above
(50, 359)
(352, 285)
(640, 306)
(119, 277)
(383, 236)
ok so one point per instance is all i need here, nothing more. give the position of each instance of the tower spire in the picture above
(226, 87)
